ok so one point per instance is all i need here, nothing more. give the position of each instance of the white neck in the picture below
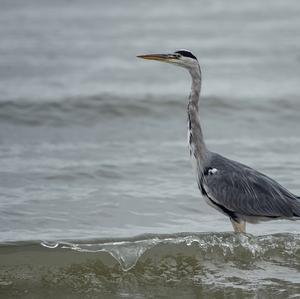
(198, 150)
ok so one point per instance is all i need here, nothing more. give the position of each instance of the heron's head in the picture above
(183, 58)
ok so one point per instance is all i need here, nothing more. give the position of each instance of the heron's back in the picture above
(245, 192)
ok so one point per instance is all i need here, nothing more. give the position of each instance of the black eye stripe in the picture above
(186, 54)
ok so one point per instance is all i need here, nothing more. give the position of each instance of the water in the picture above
(93, 148)
(211, 265)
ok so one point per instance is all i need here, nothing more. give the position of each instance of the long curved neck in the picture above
(198, 149)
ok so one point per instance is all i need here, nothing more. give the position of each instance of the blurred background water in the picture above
(93, 140)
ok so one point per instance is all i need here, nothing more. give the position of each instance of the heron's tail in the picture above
(296, 207)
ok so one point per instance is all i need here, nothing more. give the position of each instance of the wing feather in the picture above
(248, 192)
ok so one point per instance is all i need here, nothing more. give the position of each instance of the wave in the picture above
(210, 260)
(87, 110)
(244, 248)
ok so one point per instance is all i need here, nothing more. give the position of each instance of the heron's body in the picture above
(234, 189)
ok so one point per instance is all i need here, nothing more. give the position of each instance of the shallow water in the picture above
(93, 147)
(214, 265)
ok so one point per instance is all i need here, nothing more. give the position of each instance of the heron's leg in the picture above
(239, 226)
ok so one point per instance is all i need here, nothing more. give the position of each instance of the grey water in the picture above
(93, 146)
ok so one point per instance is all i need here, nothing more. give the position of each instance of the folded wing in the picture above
(247, 192)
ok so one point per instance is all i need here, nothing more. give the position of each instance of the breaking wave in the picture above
(206, 262)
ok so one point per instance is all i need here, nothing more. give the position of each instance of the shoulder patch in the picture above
(210, 171)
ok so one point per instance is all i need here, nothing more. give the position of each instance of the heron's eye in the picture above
(177, 56)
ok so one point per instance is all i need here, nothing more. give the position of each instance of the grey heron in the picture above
(234, 189)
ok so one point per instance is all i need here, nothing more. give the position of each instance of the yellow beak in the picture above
(159, 57)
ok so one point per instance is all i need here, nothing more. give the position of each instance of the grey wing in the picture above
(247, 192)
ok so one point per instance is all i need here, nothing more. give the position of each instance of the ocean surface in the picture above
(97, 195)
